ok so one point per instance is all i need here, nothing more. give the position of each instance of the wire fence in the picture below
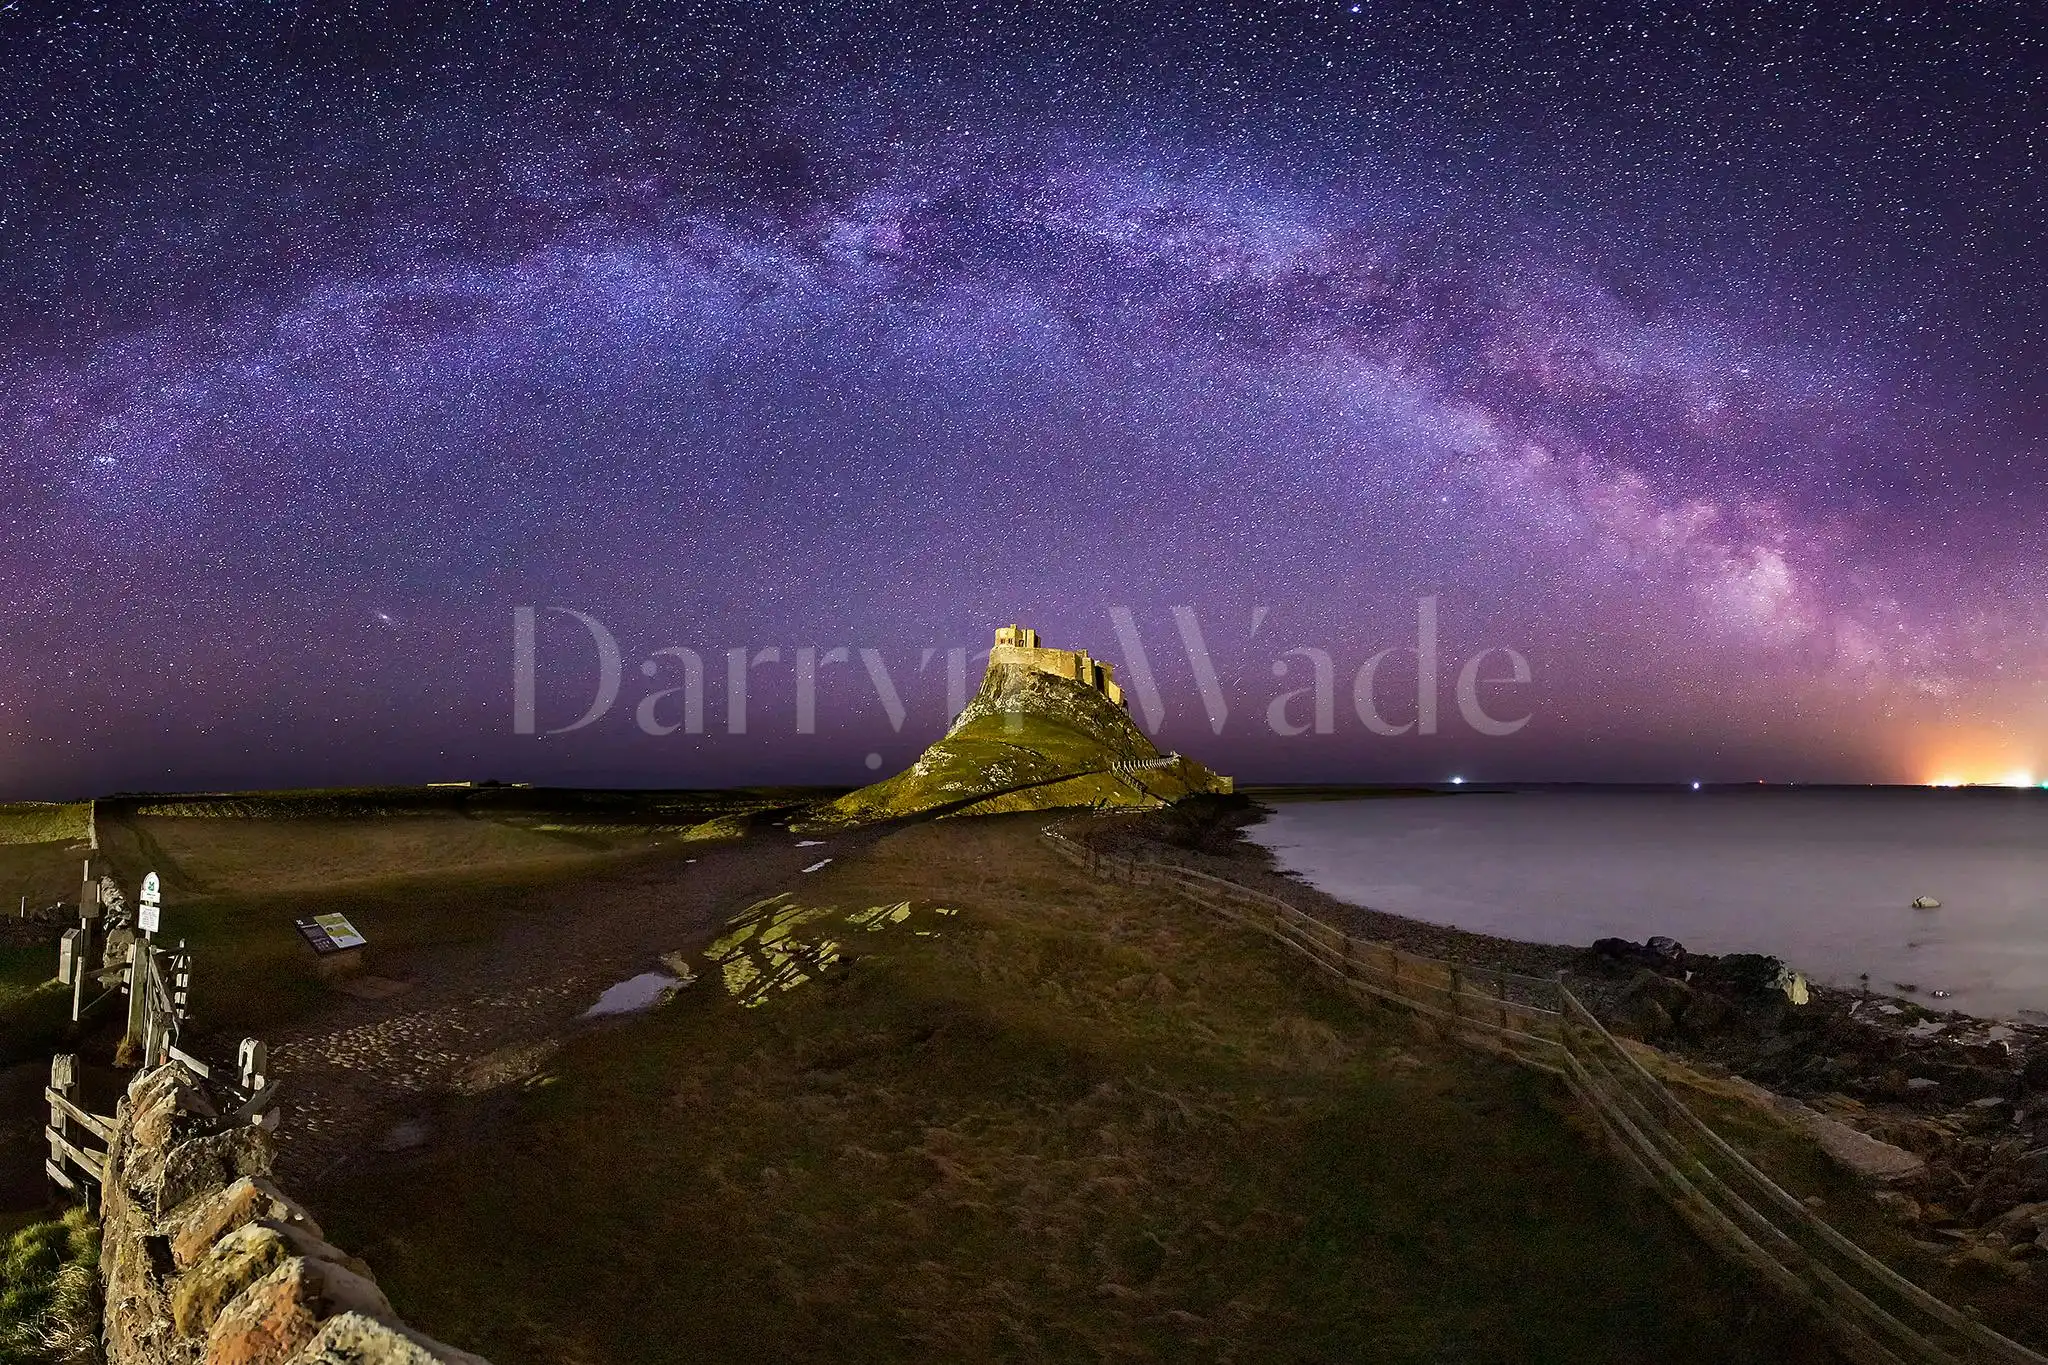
(1874, 1313)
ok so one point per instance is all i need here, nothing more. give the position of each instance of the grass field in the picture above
(415, 868)
(1065, 1123)
(47, 1298)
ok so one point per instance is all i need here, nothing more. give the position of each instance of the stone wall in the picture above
(1075, 665)
(204, 1259)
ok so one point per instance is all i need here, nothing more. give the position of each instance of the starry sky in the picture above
(1692, 352)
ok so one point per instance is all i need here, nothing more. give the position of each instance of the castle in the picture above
(1019, 645)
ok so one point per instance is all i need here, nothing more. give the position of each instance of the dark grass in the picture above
(48, 1295)
(1079, 1124)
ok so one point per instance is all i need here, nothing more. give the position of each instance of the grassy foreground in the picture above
(416, 869)
(48, 1292)
(1066, 1121)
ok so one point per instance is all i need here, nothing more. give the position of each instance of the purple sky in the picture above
(1695, 357)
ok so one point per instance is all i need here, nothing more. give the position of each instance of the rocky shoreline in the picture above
(1967, 1095)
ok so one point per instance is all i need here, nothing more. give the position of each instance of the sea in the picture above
(1823, 878)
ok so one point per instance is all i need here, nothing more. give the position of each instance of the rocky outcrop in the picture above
(1955, 1107)
(205, 1260)
(1029, 740)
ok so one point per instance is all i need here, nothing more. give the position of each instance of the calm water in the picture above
(1822, 879)
(635, 993)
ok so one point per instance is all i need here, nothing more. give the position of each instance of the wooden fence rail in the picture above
(1875, 1313)
(69, 1121)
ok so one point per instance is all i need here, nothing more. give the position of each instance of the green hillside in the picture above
(1027, 741)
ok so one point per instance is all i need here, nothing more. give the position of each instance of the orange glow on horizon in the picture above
(1979, 760)
(1988, 776)
(2012, 779)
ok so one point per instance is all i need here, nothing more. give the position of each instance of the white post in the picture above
(88, 913)
(252, 1058)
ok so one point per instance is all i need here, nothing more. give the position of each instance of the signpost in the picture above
(337, 944)
(149, 911)
(81, 955)
(147, 1021)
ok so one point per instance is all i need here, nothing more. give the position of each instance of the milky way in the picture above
(1693, 357)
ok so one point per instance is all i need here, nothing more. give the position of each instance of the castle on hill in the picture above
(1019, 645)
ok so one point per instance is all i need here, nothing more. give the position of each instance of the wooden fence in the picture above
(69, 1126)
(1875, 1313)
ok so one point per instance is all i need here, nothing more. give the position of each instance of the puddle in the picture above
(810, 843)
(635, 993)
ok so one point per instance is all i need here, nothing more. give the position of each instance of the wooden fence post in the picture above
(63, 1141)
(138, 996)
(64, 1081)
(181, 984)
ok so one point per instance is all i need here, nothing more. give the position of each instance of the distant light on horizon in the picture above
(2017, 779)
(1457, 782)
(1695, 786)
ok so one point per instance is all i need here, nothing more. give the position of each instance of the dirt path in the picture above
(368, 1080)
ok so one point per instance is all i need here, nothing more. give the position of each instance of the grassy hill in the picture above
(951, 1100)
(1027, 741)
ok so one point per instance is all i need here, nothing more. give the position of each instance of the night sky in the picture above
(1695, 352)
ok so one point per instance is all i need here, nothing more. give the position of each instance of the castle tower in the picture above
(1018, 645)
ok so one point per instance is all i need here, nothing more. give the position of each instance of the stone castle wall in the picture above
(1018, 646)
(205, 1260)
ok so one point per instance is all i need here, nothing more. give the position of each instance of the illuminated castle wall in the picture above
(1019, 645)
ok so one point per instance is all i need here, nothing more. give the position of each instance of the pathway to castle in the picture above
(370, 1077)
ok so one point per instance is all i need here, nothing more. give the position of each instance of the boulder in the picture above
(1666, 950)
(194, 1228)
(1624, 952)
(1858, 1152)
(1652, 1005)
(198, 1166)
(1744, 976)
(164, 1102)
(357, 1339)
(2027, 1219)
(237, 1261)
(1989, 1261)
(281, 1312)
(1643, 1017)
